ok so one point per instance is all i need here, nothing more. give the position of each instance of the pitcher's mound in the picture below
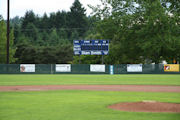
(147, 106)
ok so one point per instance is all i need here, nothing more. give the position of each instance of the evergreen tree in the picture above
(28, 18)
(62, 33)
(61, 19)
(74, 36)
(44, 24)
(79, 20)
(44, 37)
(52, 20)
(26, 53)
(17, 33)
(64, 54)
(60, 28)
(32, 34)
(53, 38)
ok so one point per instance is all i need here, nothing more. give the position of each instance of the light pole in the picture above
(7, 57)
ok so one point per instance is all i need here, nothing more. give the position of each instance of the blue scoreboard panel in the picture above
(91, 47)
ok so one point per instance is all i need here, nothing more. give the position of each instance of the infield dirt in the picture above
(138, 88)
(146, 107)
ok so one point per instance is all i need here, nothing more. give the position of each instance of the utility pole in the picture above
(7, 57)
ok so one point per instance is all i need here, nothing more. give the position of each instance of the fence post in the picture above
(51, 68)
(111, 69)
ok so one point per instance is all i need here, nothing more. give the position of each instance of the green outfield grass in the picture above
(90, 79)
(82, 105)
(79, 105)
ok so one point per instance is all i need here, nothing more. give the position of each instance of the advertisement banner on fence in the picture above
(97, 68)
(27, 68)
(63, 68)
(171, 68)
(134, 68)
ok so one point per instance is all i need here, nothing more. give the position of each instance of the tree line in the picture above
(47, 39)
(140, 31)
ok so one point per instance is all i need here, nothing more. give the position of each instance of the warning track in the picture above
(137, 88)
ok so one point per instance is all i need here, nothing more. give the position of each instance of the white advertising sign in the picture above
(134, 68)
(63, 68)
(97, 68)
(27, 68)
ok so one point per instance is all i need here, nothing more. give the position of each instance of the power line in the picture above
(58, 29)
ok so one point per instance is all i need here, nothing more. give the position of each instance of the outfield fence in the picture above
(89, 69)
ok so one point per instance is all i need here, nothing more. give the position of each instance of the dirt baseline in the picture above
(138, 88)
(146, 106)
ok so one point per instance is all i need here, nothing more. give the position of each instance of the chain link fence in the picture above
(87, 69)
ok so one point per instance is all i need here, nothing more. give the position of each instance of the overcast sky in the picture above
(19, 7)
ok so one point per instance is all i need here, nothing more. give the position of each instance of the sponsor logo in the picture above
(171, 68)
(167, 67)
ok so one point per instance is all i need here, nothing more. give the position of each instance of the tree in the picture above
(138, 30)
(44, 22)
(53, 38)
(116, 24)
(60, 19)
(28, 18)
(21, 39)
(52, 20)
(17, 32)
(64, 53)
(3, 40)
(161, 33)
(38, 37)
(62, 33)
(12, 48)
(25, 53)
(79, 20)
(46, 55)
(44, 36)
(16, 21)
(74, 35)
(32, 34)
(173, 6)
(3, 43)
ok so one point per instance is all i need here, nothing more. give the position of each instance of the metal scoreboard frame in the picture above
(91, 47)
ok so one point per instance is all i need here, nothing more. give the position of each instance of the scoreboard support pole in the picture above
(79, 59)
(102, 58)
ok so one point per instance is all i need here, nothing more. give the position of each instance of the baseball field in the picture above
(87, 97)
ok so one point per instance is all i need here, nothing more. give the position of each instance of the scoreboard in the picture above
(91, 47)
